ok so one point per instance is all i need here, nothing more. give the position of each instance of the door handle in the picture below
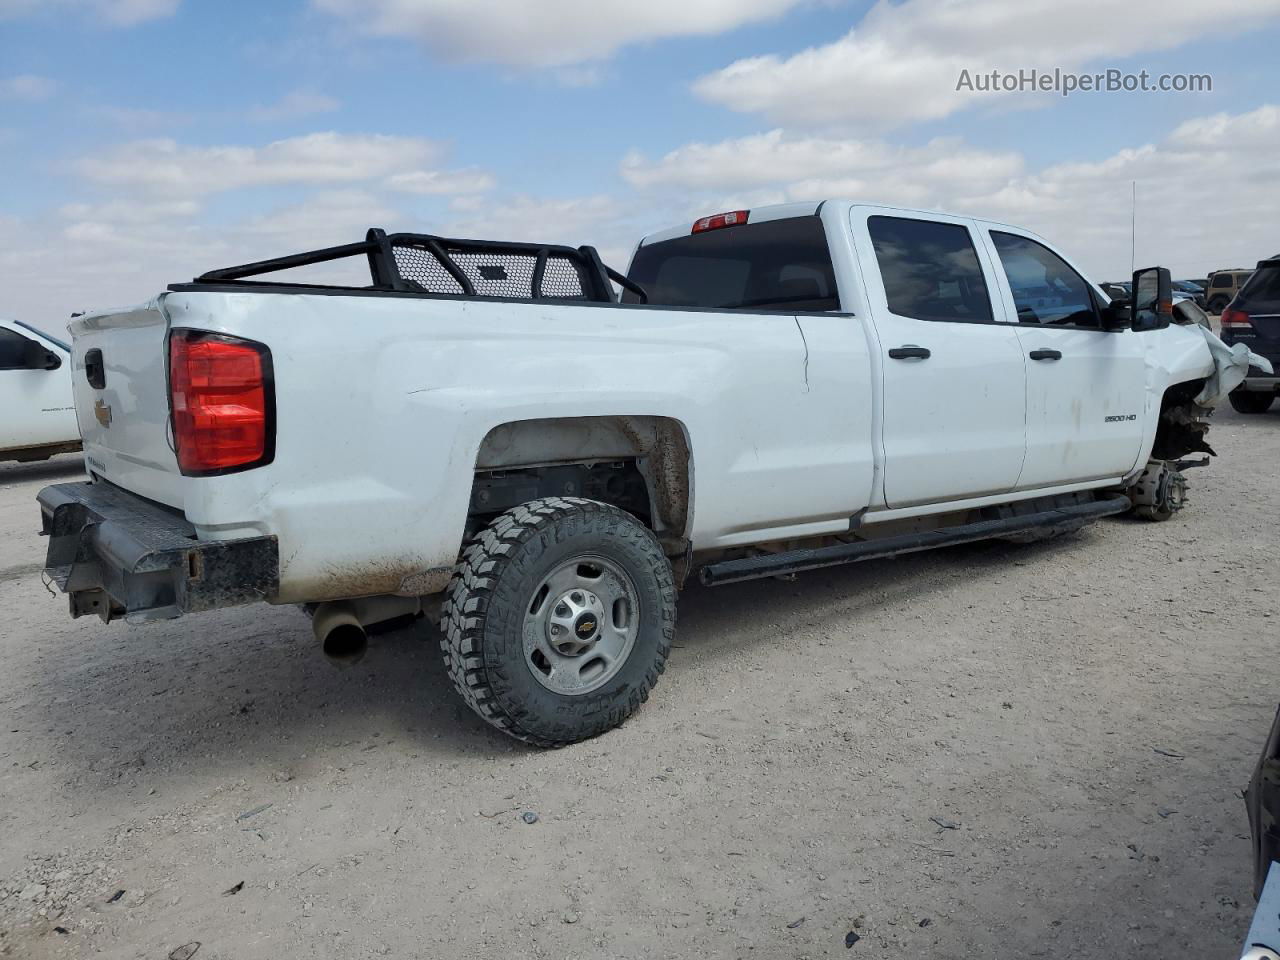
(1046, 354)
(910, 352)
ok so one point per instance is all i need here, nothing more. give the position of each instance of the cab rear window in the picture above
(773, 265)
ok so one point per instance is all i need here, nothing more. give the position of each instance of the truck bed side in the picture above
(383, 403)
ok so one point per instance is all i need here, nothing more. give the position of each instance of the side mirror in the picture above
(36, 357)
(1152, 299)
(1117, 315)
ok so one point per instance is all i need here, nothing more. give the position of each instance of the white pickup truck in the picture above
(487, 425)
(37, 418)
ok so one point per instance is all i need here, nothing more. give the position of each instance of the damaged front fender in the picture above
(1230, 366)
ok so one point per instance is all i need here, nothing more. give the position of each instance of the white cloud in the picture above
(129, 211)
(137, 119)
(298, 103)
(536, 219)
(27, 86)
(127, 12)
(579, 76)
(325, 218)
(901, 63)
(119, 12)
(816, 166)
(165, 166)
(118, 253)
(1206, 198)
(1186, 219)
(441, 182)
(547, 33)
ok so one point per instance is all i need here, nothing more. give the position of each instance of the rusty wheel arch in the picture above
(659, 447)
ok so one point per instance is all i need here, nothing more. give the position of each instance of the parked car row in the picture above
(1182, 290)
(1212, 293)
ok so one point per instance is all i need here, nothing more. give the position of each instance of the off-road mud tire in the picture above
(1248, 401)
(493, 587)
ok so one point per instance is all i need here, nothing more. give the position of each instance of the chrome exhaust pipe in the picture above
(341, 634)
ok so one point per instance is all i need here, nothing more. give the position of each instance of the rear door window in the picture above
(930, 270)
(773, 265)
(1262, 292)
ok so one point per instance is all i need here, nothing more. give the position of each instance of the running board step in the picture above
(794, 561)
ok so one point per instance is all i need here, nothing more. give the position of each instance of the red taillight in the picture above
(222, 399)
(732, 219)
(1233, 319)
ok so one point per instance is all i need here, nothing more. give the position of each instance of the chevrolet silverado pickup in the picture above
(490, 433)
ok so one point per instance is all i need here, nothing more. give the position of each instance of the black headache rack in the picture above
(424, 264)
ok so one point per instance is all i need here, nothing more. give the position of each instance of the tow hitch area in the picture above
(119, 556)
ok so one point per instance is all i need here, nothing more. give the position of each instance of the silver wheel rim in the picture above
(580, 625)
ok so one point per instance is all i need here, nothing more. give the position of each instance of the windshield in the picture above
(774, 265)
(41, 333)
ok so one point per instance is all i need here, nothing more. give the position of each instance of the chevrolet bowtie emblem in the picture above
(103, 412)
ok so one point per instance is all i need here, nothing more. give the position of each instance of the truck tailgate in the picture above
(121, 390)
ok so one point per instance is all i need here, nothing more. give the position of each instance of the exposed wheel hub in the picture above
(575, 621)
(1160, 492)
(581, 624)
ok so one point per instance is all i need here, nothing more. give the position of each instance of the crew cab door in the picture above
(36, 400)
(1086, 387)
(953, 379)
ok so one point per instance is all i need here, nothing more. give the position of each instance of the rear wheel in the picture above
(1218, 304)
(559, 620)
(1250, 401)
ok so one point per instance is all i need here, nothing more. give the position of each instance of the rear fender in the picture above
(659, 445)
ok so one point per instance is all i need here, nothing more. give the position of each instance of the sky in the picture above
(143, 142)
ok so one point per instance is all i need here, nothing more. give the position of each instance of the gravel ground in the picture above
(994, 751)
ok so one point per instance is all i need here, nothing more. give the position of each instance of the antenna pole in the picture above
(1133, 230)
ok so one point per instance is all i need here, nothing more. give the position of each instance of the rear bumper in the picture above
(120, 556)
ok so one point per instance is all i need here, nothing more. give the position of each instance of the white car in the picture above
(486, 425)
(39, 417)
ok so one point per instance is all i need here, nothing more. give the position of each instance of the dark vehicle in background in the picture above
(1117, 291)
(1253, 318)
(1191, 289)
(1223, 286)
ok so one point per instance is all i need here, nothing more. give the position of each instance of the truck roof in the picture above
(808, 208)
